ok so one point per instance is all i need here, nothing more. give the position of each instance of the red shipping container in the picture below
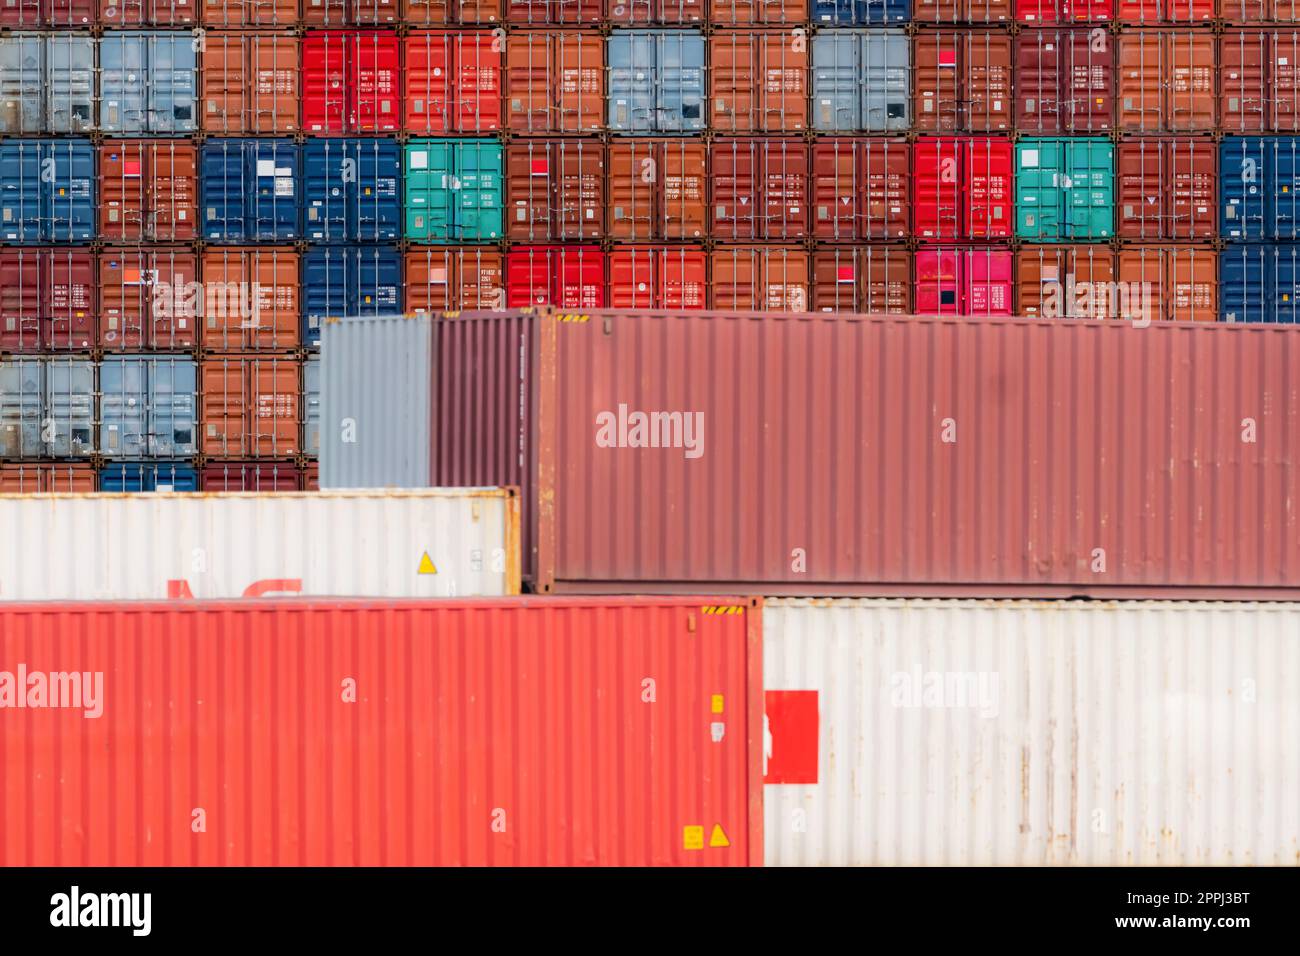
(1054, 282)
(148, 190)
(250, 299)
(658, 277)
(436, 13)
(961, 81)
(1167, 80)
(654, 12)
(452, 82)
(149, 298)
(759, 188)
(861, 188)
(969, 281)
(555, 82)
(555, 189)
(506, 733)
(1065, 81)
(47, 299)
(865, 279)
(249, 476)
(1259, 84)
(1154, 12)
(548, 12)
(760, 279)
(961, 11)
(32, 479)
(569, 277)
(135, 13)
(758, 81)
(350, 82)
(31, 14)
(249, 83)
(249, 406)
(442, 278)
(963, 188)
(656, 189)
(250, 13)
(744, 13)
(1167, 188)
(1167, 283)
(1064, 11)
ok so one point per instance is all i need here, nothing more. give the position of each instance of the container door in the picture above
(477, 193)
(123, 61)
(173, 71)
(1089, 188)
(311, 401)
(1286, 284)
(273, 171)
(375, 206)
(373, 78)
(883, 79)
(377, 274)
(1282, 221)
(1039, 176)
(23, 77)
(679, 57)
(68, 289)
(173, 385)
(21, 191)
(1243, 183)
(70, 404)
(22, 402)
(71, 195)
(225, 185)
(430, 102)
(324, 291)
(430, 181)
(324, 190)
(837, 100)
(633, 74)
(21, 299)
(1242, 271)
(124, 402)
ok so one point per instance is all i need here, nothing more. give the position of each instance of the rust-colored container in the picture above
(250, 476)
(861, 188)
(962, 11)
(1065, 80)
(1168, 283)
(452, 82)
(758, 81)
(555, 189)
(148, 190)
(1056, 282)
(251, 299)
(658, 277)
(346, 13)
(546, 12)
(515, 732)
(1259, 81)
(961, 81)
(654, 12)
(1167, 80)
(875, 279)
(760, 278)
(250, 13)
(149, 298)
(143, 13)
(1259, 11)
(745, 13)
(759, 188)
(47, 299)
(1167, 188)
(249, 406)
(656, 189)
(555, 82)
(249, 83)
(967, 429)
(31, 479)
(311, 477)
(437, 13)
(1154, 12)
(441, 278)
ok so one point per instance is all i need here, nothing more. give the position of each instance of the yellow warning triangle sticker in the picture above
(426, 565)
(717, 837)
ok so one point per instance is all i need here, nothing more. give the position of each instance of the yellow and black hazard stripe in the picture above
(723, 609)
(572, 317)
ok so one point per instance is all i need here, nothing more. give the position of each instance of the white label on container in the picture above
(1281, 61)
(1029, 158)
(284, 187)
(284, 170)
(266, 167)
(419, 160)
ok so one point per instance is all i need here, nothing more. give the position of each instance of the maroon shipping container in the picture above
(874, 279)
(758, 81)
(1036, 12)
(1167, 188)
(962, 188)
(350, 82)
(250, 476)
(656, 189)
(249, 83)
(33, 14)
(961, 81)
(1167, 283)
(861, 188)
(759, 188)
(437, 13)
(555, 189)
(961, 11)
(1059, 282)
(555, 82)
(760, 278)
(135, 13)
(658, 277)
(452, 82)
(547, 12)
(1167, 80)
(653, 12)
(47, 299)
(569, 277)
(346, 13)
(1065, 81)
(442, 278)
(311, 477)
(148, 190)
(975, 280)
(149, 298)
(1259, 81)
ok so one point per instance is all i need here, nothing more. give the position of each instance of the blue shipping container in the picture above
(147, 406)
(1259, 182)
(861, 12)
(656, 81)
(147, 81)
(151, 476)
(249, 190)
(1259, 283)
(311, 403)
(349, 281)
(47, 408)
(350, 190)
(47, 191)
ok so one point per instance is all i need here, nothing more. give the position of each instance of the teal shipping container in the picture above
(1065, 189)
(452, 190)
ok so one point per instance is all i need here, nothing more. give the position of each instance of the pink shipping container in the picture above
(503, 733)
(971, 281)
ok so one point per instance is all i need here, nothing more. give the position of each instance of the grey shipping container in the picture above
(375, 430)
(861, 80)
(148, 80)
(47, 83)
(47, 408)
(147, 406)
(656, 81)
(311, 405)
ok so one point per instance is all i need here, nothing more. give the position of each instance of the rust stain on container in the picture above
(758, 81)
(555, 82)
(961, 81)
(861, 188)
(147, 190)
(441, 278)
(249, 83)
(1167, 80)
(759, 188)
(1167, 188)
(657, 189)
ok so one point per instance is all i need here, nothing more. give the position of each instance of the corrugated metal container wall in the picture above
(440, 12)
(1259, 282)
(1259, 187)
(1168, 188)
(861, 80)
(249, 406)
(1065, 81)
(758, 81)
(1170, 283)
(444, 278)
(147, 406)
(656, 81)
(658, 277)
(349, 280)
(148, 80)
(555, 189)
(570, 277)
(156, 13)
(555, 82)
(961, 11)
(452, 190)
(1166, 11)
(251, 298)
(760, 189)
(1167, 81)
(656, 189)
(28, 479)
(148, 190)
(41, 13)
(452, 82)
(311, 406)
(146, 295)
(963, 187)
(242, 13)
(861, 188)
(874, 279)
(1054, 282)
(554, 11)
(140, 477)
(144, 548)
(629, 12)
(47, 190)
(970, 280)
(1065, 189)
(350, 190)
(760, 278)
(848, 12)
(47, 408)
(1088, 734)
(351, 82)
(47, 83)
(962, 81)
(250, 83)
(250, 476)
(473, 738)
(47, 299)
(1139, 512)
(250, 189)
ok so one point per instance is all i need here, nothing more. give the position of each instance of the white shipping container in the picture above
(1027, 733)
(426, 543)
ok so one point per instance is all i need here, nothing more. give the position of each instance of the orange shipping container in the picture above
(147, 190)
(452, 82)
(249, 406)
(658, 277)
(250, 298)
(1178, 283)
(861, 188)
(1167, 188)
(759, 279)
(962, 81)
(744, 13)
(657, 189)
(138, 13)
(437, 13)
(250, 13)
(555, 189)
(29, 479)
(1260, 11)
(1064, 281)
(555, 82)
(249, 82)
(760, 188)
(149, 298)
(758, 81)
(865, 279)
(962, 11)
(439, 279)
(1165, 11)
(1259, 81)
(1167, 80)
